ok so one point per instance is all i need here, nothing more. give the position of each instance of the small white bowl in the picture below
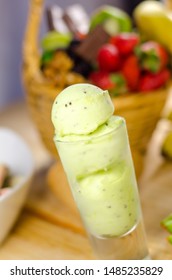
(16, 155)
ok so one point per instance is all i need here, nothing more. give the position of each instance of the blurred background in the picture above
(13, 17)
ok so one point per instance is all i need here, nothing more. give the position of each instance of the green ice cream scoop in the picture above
(81, 109)
(94, 151)
(108, 201)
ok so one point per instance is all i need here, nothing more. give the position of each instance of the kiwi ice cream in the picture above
(93, 147)
(81, 109)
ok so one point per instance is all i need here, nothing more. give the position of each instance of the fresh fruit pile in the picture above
(109, 54)
(126, 65)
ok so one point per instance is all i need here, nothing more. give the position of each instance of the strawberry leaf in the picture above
(120, 85)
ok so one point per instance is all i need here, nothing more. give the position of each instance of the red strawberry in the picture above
(153, 56)
(101, 79)
(125, 42)
(114, 82)
(153, 81)
(108, 58)
(131, 71)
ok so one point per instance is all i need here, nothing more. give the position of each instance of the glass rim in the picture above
(61, 139)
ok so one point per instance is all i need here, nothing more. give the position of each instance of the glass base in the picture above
(147, 258)
(131, 246)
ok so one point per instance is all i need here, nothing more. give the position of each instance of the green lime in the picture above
(54, 40)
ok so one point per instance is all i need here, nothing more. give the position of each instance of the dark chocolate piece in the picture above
(89, 47)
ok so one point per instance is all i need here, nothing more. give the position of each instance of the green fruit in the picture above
(113, 19)
(54, 40)
(170, 239)
(167, 146)
(155, 21)
(167, 223)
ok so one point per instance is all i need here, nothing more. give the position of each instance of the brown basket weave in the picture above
(141, 111)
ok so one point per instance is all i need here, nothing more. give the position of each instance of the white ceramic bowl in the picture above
(15, 153)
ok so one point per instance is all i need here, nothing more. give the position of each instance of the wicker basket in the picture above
(141, 111)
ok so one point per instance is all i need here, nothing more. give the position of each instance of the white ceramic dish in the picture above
(15, 153)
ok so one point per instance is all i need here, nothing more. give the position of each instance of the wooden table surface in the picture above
(49, 226)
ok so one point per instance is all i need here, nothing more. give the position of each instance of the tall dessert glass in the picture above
(101, 176)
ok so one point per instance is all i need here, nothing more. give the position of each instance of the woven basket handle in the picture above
(31, 56)
(168, 3)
